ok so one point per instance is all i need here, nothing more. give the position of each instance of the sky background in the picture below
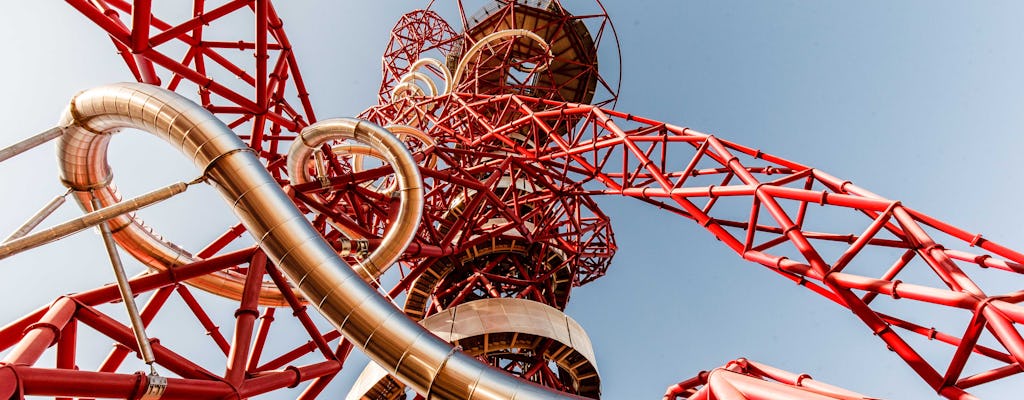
(915, 100)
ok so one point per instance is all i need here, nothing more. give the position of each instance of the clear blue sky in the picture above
(915, 100)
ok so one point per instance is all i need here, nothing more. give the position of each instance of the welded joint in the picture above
(218, 158)
(45, 325)
(102, 183)
(778, 264)
(757, 189)
(895, 295)
(800, 379)
(703, 376)
(247, 311)
(298, 376)
(79, 122)
(791, 228)
(18, 391)
(984, 303)
(451, 353)
(881, 330)
(977, 239)
(982, 260)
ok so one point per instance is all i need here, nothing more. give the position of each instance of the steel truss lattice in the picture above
(511, 161)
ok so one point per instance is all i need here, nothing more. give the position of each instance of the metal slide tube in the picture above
(360, 152)
(84, 169)
(447, 75)
(414, 76)
(410, 187)
(415, 356)
(486, 40)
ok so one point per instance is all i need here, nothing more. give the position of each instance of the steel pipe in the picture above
(392, 150)
(100, 215)
(413, 77)
(486, 40)
(30, 143)
(407, 89)
(371, 322)
(42, 334)
(82, 158)
(127, 297)
(39, 216)
(359, 152)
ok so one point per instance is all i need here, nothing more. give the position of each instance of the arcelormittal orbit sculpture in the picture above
(442, 231)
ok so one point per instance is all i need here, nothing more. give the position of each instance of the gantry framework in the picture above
(507, 153)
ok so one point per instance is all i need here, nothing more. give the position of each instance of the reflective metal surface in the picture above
(386, 145)
(486, 41)
(500, 324)
(91, 119)
(410, 352)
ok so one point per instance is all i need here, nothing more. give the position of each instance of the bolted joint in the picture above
(155, 387)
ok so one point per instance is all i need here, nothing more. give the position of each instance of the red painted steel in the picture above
(416, 34)
(689, 173)
(743, 379)
(510, 212)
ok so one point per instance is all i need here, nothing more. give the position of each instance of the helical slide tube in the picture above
(410, 187)
(408, 351)
(404, 131)
(82, 158)
(420, 63)
(414, 76)
(360, 152)
(407, 89)
(407, 83)
(486, 40)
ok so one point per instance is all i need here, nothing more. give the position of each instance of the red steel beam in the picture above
(42, 334)
(27, 381)
(636, 157)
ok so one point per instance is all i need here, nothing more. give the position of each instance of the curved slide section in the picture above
(502, 325)
(409, 183)
(408, 351)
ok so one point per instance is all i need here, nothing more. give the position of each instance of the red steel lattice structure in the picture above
(745, 379)
(511, 160)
